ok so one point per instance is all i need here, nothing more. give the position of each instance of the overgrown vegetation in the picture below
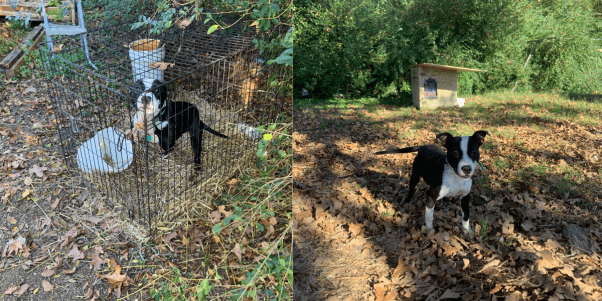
(109, 12)
(253, 231)
(344, 46)
(541, 173)
(271, 18)
(12, 33)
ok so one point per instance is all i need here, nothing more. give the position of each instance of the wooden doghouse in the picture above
(435, 86)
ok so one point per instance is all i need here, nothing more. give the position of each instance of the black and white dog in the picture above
(170, 119)
(447, 174)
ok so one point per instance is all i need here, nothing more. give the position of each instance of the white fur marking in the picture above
(453, 185)
(466, 225)
(148, 83)
(428, 216)
(154, 106)
(466, 160)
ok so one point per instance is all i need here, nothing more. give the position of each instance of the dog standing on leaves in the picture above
(448, 174)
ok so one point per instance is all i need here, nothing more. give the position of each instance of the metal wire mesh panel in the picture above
(162, 116)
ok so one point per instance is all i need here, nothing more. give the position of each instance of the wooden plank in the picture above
(449, 68)
(16, 58)
(8, 11)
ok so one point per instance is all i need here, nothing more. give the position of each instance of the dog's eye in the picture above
(456, 154)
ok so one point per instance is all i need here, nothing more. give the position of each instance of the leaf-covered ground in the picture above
(354, 241)
(61, 241)
(51, 249)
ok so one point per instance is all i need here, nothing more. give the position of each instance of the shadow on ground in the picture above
(353, 241)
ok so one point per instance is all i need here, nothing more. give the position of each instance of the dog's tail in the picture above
(214, 132)
(400, 150)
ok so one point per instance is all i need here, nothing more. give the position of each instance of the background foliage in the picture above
(344, 46)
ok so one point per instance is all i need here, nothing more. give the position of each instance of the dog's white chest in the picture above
(453, 185)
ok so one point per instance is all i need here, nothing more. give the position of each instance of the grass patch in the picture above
(348, 102)
(250, 254)
(500, 108)
(500, 164)
(484, 229)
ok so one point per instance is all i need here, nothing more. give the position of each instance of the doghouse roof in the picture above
(448, 68)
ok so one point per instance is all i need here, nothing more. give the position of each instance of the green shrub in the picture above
(342, 45)
(116, 11)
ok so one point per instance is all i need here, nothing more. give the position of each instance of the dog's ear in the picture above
(479, 136)
(137, 89)
(445, 138)
(160, 89)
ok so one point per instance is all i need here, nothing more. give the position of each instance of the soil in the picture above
(355, 241)
(9, 39)
(46, 232)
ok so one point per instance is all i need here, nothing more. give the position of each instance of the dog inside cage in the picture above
(164, 118)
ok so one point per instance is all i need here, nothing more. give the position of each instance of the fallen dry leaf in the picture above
(40, 259)
(116, 280)
(449, 294)
(59, 262)
(39, 171)
(167, 238)
(492, 264)
(515, 296)
(11, 289)
(56, 203)
(11, 220)
(466, 263)
(97, 262)
(238, 251)
(70, 236)
(89, 293)
(47, 286)
(69, 272)
(75, 253)
(527, 225)
(161, 65)
(22, 290)
(47, 273)
(216, 216)
(92, 219)
(183, 23)
(547, 261)
(400, 269)
(15, 246)
(507, 226)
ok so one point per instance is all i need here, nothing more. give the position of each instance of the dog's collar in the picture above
(156, 117)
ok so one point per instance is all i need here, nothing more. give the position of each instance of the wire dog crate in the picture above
(221, 75)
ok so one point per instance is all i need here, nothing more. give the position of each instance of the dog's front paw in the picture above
(164, 154)
(468, 233)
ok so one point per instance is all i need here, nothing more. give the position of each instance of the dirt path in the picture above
(50, 241)
(354, 241)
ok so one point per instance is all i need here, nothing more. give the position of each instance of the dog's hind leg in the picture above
(466, 215)
(196, 141)
(414, 179)
(169, 144)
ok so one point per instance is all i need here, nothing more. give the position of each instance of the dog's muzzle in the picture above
(145, 104)
(465, 171)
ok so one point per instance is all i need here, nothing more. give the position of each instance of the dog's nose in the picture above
(466, 169)
(145, 99)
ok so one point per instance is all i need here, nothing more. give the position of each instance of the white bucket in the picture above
(107, 151)
(143, 53)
